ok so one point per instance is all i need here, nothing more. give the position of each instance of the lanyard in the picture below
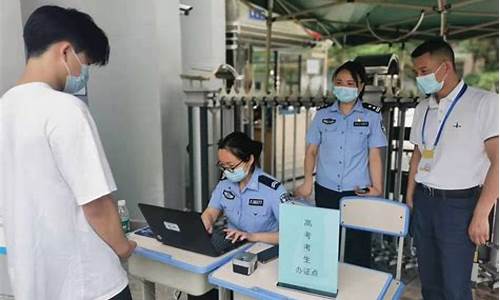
(441, 126)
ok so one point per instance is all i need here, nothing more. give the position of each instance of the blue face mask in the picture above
(428, 84)
(236, 175)
(76, 83)
(345, 94)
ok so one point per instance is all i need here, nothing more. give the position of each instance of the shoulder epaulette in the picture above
(269, 182)
(325, 106)
(372, 107)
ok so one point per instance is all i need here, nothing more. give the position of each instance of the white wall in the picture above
(11, 65)
(125, 99)
(171, 96)
(204, 38)
(138, 100)
(11, 44)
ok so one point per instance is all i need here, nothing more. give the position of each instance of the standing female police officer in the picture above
(345, 140)
(247, 196)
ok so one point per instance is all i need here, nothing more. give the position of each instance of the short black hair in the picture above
(242, 146)
(435, 46)
(51, 24)
(357, 71)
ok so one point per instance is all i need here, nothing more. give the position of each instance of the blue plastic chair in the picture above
(377, 215)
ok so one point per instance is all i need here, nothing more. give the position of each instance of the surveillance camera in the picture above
(185, 9)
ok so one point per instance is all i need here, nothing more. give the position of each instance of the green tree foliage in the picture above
(485, 80)
(482, 50)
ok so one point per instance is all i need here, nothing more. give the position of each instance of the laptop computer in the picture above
(185, 230)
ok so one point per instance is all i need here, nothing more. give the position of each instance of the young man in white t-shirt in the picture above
(63, 231)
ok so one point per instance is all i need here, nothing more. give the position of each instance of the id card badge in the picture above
(426, 160)
(428, 154)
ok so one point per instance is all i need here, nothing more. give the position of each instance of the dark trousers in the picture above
(123, 295)
(445, 252)
(357, 243)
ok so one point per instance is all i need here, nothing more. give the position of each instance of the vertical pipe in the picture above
(444, 22)
(299, 81)
(276, 72)
(399, 154)
(493, 259)
(196, 162)
(308, 117)
(342, 244)
(263, 133)
(325, 73)
(190, 193)
(269, 23)
(237, 117)
(250, 54)
(224, 294)
(251, 121)
(245, 119)
(390, 149)
(204, 156)
(399, 264)
(221, 118)
(212, 133)
(294, 153)
(283, 134)
(274, 129)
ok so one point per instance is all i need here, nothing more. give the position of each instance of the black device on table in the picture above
(185, 230)
(268, 254)
(362, 191)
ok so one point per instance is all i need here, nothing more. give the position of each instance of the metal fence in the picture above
(280, 122)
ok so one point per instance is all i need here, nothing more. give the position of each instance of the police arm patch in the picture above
(269, 182)
(228, 194)
(328, 121)
(285, 197)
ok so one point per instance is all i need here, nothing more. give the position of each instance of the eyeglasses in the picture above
(230, 169)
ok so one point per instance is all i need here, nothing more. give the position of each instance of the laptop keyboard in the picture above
(217, 239)
(221, 244)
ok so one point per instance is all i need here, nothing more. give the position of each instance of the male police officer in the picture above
(453, 182)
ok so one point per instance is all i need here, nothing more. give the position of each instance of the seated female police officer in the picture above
(344, 143)
(248, 197)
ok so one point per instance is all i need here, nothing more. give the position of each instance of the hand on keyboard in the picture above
(221, 243)
(236, 235)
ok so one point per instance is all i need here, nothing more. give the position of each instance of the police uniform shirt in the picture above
(344, 142)
(460, 160)
(255, 208)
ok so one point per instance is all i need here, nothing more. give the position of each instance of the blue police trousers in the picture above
(445, 252)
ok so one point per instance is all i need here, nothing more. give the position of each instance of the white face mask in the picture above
(236, 175)
(345, 94)
(428, 84)
(76, 83)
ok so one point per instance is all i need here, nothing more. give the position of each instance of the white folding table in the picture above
(183, 270)
(354, 283)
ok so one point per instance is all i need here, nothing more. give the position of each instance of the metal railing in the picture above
(280, 122)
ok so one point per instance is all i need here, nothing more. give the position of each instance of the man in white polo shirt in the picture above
(453, 182)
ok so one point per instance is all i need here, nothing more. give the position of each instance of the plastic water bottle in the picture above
(124, 216)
